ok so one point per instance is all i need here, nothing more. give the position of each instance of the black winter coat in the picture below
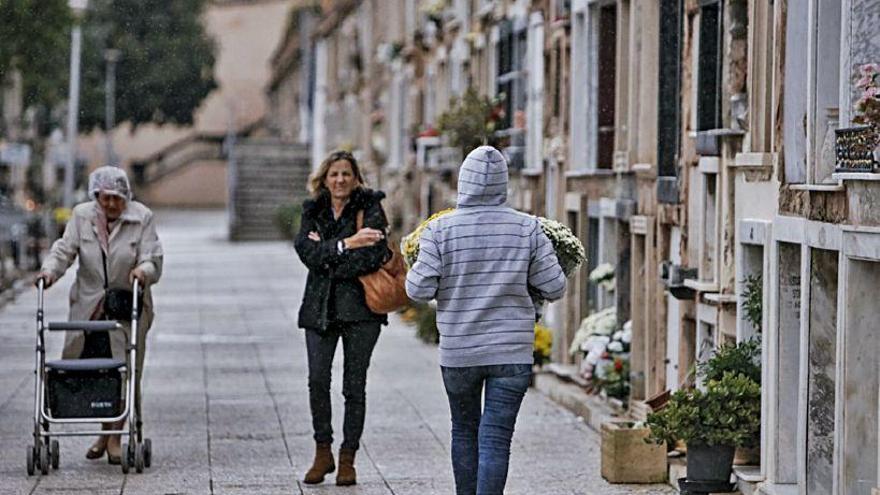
(333, 291)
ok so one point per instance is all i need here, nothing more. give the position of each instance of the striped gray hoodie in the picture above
(478, 262)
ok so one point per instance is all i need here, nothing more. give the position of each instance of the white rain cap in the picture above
(109, 180)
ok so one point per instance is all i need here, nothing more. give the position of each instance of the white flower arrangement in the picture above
(570, 251)
(603, 275)
(599, 339)
(600, 323)
(434, 8)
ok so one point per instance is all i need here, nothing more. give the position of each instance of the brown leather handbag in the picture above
(385, 289)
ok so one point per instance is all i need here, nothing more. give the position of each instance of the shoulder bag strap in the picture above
(104, 263)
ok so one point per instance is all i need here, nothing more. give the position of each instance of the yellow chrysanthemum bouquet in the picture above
(409, 245)
(543, 344)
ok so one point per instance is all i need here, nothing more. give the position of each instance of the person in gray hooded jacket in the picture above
(483, 263)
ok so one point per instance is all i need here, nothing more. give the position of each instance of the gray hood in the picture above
(482, 179)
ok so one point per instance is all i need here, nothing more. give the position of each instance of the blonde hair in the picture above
(316, 179)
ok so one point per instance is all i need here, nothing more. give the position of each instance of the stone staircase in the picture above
(265, 174)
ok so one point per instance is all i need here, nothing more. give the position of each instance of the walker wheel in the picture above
(31, 465)
(148, 452)
(44, 460)
(125, 461)
(54, 453)
(139, 458)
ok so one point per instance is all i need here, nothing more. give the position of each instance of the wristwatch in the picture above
(340, 247)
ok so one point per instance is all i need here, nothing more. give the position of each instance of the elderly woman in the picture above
(115, 240)
(336, 251)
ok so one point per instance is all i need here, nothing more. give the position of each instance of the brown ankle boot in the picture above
(322, 465)
(347, 475)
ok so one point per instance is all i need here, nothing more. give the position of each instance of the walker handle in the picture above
(84, 326)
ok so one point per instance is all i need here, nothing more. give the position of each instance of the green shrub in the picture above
(728, 412)
(471, 121)
(744, 357)
(287, 218)
(753, 300)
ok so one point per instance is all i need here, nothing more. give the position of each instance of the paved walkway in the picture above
(225, 393)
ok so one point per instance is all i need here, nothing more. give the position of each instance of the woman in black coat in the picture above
(336, 253)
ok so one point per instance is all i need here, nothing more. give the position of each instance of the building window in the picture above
(709, 231)
(511, 81)
(708, 220)
(397, 120)
(608, 253)
(812, 40)
(592, 245)
(709, 66)
(593, 86)
(459, 67)
(511, 84)
(557, 80)
(430, 110)
(825, 97)
(535, 109)
(669, 100)
(606, 88)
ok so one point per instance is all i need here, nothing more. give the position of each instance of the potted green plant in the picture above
(713, 422)
(743, 357)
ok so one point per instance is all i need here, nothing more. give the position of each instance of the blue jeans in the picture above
(481, 435)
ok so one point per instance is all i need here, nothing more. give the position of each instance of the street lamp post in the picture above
(78, 7)
(111, 55)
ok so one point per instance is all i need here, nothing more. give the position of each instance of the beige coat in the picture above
(133, 243)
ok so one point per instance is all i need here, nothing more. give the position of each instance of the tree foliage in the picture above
(35, 40)
(471, 121)
(166, 65)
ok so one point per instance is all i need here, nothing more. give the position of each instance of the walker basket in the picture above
(85, 388)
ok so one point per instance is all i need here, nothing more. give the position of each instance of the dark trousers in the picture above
(481, 435)
(358, 341)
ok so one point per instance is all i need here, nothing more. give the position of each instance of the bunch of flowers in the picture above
(868, 104)
(603, 275)
(569, 249)
(614, 379)
(605, 349)
(409, 245)
(598, 327)
(543, 344)
(434, 9)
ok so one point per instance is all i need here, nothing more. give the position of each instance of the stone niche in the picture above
(787, 361)
(821, 370)
(862, 197)
(860, 387)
